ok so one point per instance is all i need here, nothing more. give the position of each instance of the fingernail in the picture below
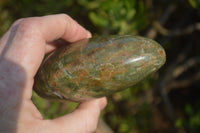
(102, 103)
(89, 35)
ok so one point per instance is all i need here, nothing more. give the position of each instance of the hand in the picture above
(22, 49)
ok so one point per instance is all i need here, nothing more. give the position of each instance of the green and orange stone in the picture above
(96, 67)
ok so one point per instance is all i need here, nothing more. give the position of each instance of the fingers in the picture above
(64, 27)
(28, 38)
(83, 120)
(61, 26)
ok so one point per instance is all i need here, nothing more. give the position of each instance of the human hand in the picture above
(22, 49)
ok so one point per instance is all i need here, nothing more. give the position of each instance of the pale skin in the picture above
(22, 49)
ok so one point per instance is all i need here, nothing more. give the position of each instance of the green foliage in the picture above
(191, 122)
(5, 18)
(118, 16)
(12, 10)
(129, 110)
(194, 3)
(106, 16)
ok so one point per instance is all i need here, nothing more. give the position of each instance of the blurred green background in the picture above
(167, 101)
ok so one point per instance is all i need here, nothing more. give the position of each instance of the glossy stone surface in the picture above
(97, 67)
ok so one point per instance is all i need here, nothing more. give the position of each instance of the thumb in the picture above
(83, 120)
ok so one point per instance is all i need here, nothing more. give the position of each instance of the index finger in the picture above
(62, 26)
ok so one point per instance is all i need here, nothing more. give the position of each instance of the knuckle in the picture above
(74, 27)
(75, 33)
(75, 30)
(27, 23)
(16, 22)
(64, 15)
(27, 26)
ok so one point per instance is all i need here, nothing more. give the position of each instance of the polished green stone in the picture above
(97, 67)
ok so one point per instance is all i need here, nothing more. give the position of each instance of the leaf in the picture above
(98, 20)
